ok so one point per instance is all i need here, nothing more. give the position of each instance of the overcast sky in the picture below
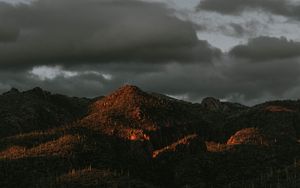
(244, 51)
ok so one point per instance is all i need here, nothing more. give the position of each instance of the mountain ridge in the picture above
(145, 139)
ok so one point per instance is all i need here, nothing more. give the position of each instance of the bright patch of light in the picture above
(184, 97)
(52, 72)
(49, 73)
(106, 76)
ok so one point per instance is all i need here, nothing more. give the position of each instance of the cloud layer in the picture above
(91, 31)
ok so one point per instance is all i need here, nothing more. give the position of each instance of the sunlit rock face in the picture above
(190, 144)
(249, 136)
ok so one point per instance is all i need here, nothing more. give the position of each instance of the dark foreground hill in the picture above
(133, 138)
(36, 109)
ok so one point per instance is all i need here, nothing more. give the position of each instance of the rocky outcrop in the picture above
(190, 144)
(250, 136)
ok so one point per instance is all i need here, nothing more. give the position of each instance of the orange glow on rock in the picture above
(133, 137)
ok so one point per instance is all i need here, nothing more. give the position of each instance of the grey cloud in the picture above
(8, 33)
(238, 29)
(254, 80)
(91, 31)
(233, 29)
(279, 7)
(267, 48)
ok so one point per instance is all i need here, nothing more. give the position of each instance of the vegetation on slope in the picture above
(132, 138)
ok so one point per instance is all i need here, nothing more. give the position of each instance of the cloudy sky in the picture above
(244, 51)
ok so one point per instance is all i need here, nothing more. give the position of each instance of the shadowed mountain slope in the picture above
(36, 109)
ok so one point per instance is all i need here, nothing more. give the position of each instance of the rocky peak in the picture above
(212, 104)
(252, 136)
(37, 91)
(12, 91)
(126, 97)
(128, 91)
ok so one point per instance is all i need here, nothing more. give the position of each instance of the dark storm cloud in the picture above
(82, 85)
(254, 81)
(267, 48)
(279, 7)
(84, 31)
(8, 34)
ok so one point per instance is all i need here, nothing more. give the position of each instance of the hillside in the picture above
(132, 114)
(133, 138)
(36, 109)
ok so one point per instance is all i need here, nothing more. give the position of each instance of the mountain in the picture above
(134, 138)
(215, 105)
(132, 114)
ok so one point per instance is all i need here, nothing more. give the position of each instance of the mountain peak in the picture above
(128, 94)
(12, 91)
(126, 97)
(128, 89)
(212, 104)
(37, 91)
(249, 136)
(133, 114)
